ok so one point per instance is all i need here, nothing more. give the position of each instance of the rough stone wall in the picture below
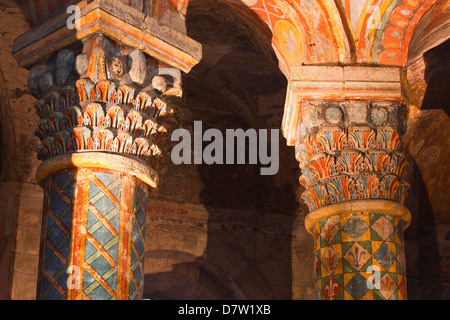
(199, 253)
(20, 197)
(225, 231)
(427, 139)
(25, 199)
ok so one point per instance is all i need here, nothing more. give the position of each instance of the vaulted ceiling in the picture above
(315, 31)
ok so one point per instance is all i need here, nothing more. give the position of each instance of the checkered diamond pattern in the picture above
(95, 225)
(351, 248)
(59, 192)
(137, 245)
(102, 237)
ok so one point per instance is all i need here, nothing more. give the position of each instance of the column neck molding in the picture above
(100, 160)
(376, 205)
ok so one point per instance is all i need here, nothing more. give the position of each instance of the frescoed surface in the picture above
(56, 247)
(360, 256)
(341, 31)
(104, 217)
(386, 28)
(310, 31)
(306, 32)
(377, 32)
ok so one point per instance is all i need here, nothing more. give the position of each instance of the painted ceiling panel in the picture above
(308, 32)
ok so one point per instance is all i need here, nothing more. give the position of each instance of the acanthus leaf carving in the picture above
(351, 161)
(105, 108)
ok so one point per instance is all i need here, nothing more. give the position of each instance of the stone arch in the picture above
(239, 17)
(182, 275)
(237, 79)
(432, 30)
(388, 42)
(311, 32)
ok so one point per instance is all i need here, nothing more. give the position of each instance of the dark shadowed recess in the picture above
(237, 84)
(427, 266)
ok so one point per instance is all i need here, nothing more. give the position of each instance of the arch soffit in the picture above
(302, 32)
(306, 32)
(386, 28)
(377, 32)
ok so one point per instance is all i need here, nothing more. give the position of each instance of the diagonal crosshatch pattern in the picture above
(113, 217)
(137, 242)
(102, 213)
(102, 236)
(60, 189)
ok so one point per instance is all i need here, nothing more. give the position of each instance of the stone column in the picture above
(346, 124)
(103, 92)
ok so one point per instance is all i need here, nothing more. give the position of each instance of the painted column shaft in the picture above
(346, 124)
(353, 171)
(360, 255)
(93, 230)
(99, 151)
(102, 92)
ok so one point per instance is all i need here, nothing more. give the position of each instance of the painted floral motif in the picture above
(362, 250)
(334, 115)
(379, 116)
(332, 289)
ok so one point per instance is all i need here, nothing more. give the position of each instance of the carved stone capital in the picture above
(351, 150)
(103, 97)
(346, 124)
(339, 84)
(104, 85)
